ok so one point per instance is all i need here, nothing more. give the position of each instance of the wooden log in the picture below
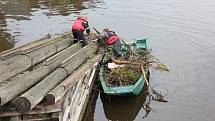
(55, 60)
(10, 53)
(69, 65)
(78, 98)
(11, 118)
(21, 83)
(18, 85)
(41, 44)
(58, 92)
(13, 66)
(40, 109)
(33, 96)
(41, 54)
(18, 63)
(63, 44)
(30, 47)
(46, 51)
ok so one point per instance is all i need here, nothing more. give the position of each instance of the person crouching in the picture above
(112, 39)
(78, 28)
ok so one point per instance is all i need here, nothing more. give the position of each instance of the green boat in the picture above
(133, 89)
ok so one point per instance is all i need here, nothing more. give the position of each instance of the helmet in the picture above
(85, 18)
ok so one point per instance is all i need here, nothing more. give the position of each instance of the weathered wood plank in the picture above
(33, 96)
(46, 51)
(30, 47)
(42, 53)
(21, 83)
(32, 54)
(68, 101)
(14, 51)
(58, 92)
(13, 118)
(13, 66)
(78, 98)
(66, 42)
(55, 60)
(10, 53)
(84, 96)
(69, 65)
(41, 44)
(40, 109)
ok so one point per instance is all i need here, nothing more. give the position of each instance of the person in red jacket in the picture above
(78, 28)
(111, 39)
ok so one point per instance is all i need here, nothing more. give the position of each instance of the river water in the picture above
(181, 32)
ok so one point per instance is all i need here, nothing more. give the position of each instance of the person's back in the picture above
(109, 36)
(112, 39)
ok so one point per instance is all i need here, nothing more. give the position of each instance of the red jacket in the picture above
(112, 39)
(78, 24)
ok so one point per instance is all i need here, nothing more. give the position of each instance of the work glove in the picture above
(88, 31)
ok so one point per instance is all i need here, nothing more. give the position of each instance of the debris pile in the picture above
(127, 69)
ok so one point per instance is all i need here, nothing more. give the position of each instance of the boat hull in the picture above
(134, 89)
(121, 90)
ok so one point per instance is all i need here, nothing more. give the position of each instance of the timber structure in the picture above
(47, 79)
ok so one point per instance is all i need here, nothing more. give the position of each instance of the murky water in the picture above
(182, 34)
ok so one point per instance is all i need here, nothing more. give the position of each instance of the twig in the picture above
(144, 75)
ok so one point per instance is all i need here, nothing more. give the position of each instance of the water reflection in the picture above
(5, 38)
(91, 106)
(12, 11)
(123, 108)
(5, 41)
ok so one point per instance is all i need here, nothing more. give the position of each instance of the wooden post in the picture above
(33, 96)
(20, 83)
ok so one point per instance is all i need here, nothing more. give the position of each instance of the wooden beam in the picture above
(84, 97)
(41, 52)
(55, 60)
(30, 55)
(30, 47)
(83, 54)
(40, 109)
(22, 82)
(33, 96)
(58, 92)
(77, 98)
(13, 66)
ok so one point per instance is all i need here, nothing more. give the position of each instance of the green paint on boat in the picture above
(130, 89)
(140, 43)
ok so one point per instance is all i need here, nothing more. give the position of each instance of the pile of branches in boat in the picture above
(129, 67)
(91, 36)
(122, 76)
